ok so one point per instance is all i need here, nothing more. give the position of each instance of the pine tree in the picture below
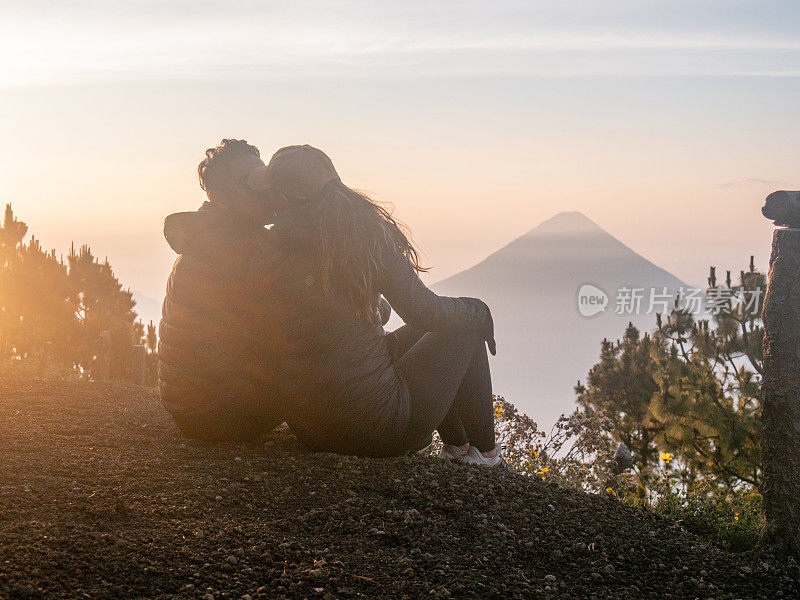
(690, 389)
(621, 386)
(101, 304)
(151, 360)
(46, 299)
(151, 338)
(11, 235)
(33, 294)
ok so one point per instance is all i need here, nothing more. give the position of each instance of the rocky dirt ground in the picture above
(101, 498)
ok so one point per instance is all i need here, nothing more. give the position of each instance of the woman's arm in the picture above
(421, 308)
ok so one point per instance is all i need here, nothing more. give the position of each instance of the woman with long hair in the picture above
(323, 270)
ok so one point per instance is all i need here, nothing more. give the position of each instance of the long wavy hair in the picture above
(356, 233)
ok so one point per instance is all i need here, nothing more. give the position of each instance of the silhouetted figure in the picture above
(212, 346)
(315, 280)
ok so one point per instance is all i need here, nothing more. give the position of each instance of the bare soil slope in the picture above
(100, 497)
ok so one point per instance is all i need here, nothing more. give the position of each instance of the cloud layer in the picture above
(69, 42)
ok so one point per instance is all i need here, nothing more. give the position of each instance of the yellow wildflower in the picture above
(666, 457)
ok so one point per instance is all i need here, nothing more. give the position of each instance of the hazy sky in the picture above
(665, 122)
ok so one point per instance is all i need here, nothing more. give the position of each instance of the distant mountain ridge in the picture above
(544, 345)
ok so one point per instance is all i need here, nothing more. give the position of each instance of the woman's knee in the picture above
(470, 338)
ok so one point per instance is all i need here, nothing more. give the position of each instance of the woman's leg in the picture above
(473, 402)
(451, 429)
(450, 387)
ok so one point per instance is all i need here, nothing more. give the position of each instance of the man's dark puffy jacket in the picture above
(212, 370)
(332, 370)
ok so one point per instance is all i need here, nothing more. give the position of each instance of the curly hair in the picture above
(215, 158)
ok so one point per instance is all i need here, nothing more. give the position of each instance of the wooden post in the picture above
(780, 404)
(137, 364)
(44, 363)
(103, 361)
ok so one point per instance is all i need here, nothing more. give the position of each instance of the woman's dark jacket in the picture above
(245, 312)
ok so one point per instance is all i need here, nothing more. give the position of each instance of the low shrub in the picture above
(730, 520)
(575, 454)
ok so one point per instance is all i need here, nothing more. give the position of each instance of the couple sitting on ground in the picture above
(275, 311)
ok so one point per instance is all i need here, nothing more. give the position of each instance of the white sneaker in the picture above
(452, 452)
(475, 457)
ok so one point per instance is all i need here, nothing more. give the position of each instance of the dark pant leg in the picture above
(474, 402)
(451, 429)
(447, 371)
